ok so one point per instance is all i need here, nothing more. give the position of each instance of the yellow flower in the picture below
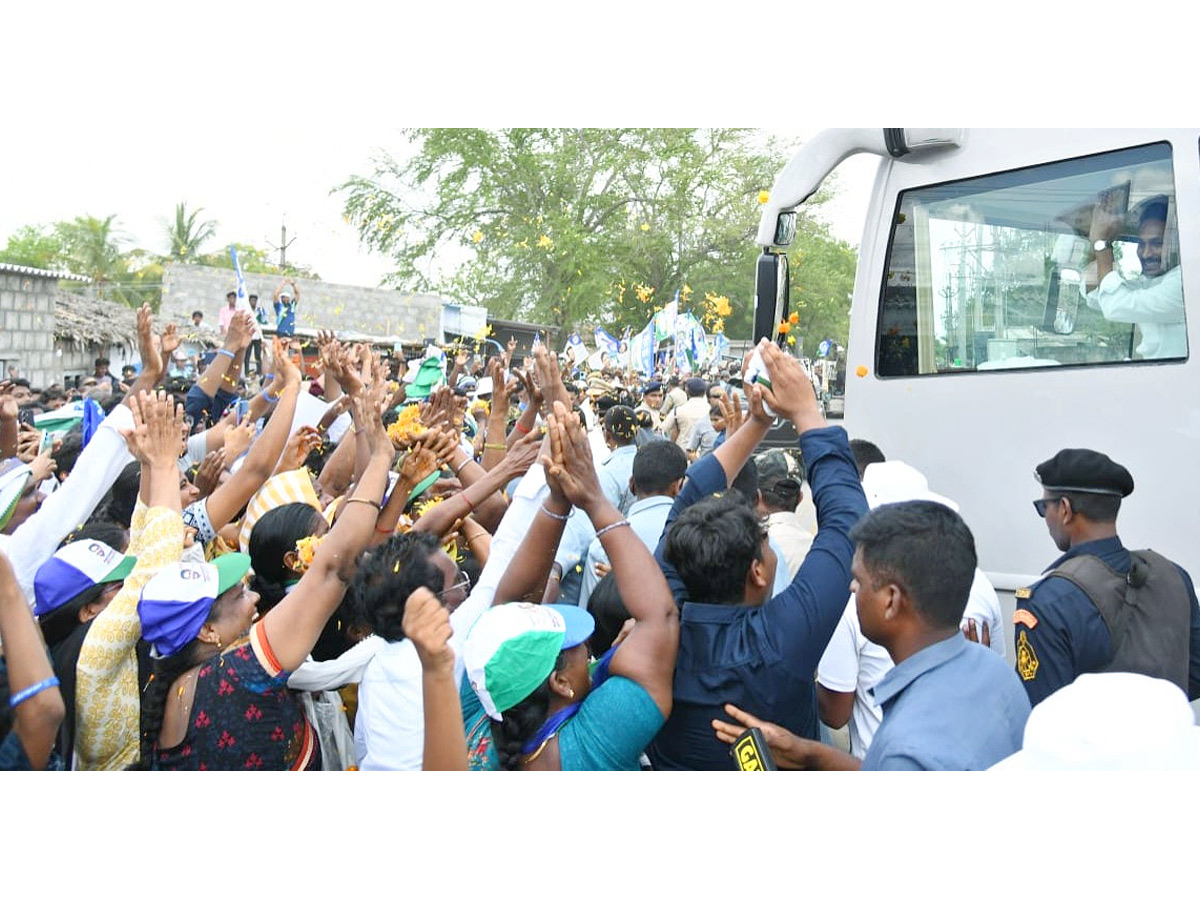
(645, 226)
(784, 327)
(426, 505)
(764, 196)
(407, 426)
(791, 340)
(686, 291)
(306, 551)
(546, 242)
(477, 236)
(794, 318)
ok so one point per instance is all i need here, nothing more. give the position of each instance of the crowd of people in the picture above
(461, 562)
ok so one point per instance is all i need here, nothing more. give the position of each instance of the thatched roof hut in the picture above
(84, 320)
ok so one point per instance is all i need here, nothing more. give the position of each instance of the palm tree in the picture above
(91, 247)
(186, 235)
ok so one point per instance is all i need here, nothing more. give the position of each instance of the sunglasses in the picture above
(1040, 505)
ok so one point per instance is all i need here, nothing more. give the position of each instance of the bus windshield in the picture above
(1067, 264)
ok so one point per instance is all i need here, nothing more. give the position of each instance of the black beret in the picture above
(1085, 471)
(652, 387)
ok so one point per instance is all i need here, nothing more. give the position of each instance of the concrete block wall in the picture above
(27, 327)
(377, 312)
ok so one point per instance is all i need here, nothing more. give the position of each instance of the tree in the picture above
(33, 245)
(185, 234)
(569, 226)
(92, 247)
(822, 282)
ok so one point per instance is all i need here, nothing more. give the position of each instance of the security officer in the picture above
(1098, 608)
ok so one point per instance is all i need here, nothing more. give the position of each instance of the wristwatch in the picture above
(1100, 246)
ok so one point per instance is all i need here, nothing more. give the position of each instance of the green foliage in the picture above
(253, 259)
(822, 276)
(185, 235)
(562, 226)
(33, 245)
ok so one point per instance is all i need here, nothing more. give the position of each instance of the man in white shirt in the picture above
(852, 665)
(679, 423)
(1154, 300)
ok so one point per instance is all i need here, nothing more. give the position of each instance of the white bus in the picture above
(974, 352)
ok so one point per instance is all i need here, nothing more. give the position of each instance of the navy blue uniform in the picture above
(1059, 633)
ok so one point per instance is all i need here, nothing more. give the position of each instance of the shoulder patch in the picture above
(1025, 617)
(1027, 661)
(1023, 593)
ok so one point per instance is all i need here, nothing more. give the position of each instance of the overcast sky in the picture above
(255, 112)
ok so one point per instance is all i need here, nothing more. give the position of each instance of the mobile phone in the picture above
(241, 409)
(756, 373)
(25, 417)
(751, 754)
(46, 441)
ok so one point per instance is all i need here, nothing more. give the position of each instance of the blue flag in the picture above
(606, 342)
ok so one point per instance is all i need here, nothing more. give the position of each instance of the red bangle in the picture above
(522, 430)
(467, 500)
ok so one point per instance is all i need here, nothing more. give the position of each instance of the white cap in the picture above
(1110, 721)
(483, 386)
(897, 482)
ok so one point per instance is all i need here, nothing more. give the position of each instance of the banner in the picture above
(641, 350)
(607, 343)
(243, 299)
(664, 320)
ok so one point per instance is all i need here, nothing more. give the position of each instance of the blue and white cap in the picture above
(175, 603)
(75, 568)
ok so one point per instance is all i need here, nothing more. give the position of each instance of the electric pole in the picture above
(284, 243)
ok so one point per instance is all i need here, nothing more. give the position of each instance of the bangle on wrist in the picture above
(522, 429)
(32, 691)
(228, 353)
(488, 446)
(268, 397)
(554, 515)
(620, 523)
(366, 500)
(467, 500)
(462, 465)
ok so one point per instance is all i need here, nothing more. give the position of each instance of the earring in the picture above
(572, 693)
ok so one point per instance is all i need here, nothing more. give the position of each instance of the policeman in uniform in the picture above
(1098, 608)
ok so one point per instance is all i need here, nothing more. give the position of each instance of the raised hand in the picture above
(531, 388)
(972, 633)
(152, 361)
(419, 463)
(427, 624)
(304, 441)
(29, 439)
(524, 452)
(170, 340)
(791, 392)
(237, 440)
(157, 436)
(43, 467)
(208, 473)
(241, 330)
(285, 368)
(571, 460)
(9, 408)
(548, 376)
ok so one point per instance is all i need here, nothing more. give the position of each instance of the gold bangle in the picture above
(365, 500)
(495, 446)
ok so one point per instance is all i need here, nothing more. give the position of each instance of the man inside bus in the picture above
(1154, 299)
(1067, 624)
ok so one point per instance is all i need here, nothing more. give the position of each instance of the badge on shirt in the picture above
(1023, 593)
(1025, 617)
(1027, 661)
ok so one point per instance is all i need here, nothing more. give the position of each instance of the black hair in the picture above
(20, 382)
(781, 494)
(123, 495)
(925, 548)
(389, 573)
(696, 387)
(273, 536)
(1094, 507)
(608, 609)
(198, 312)
(54, 392)
(1153, 210)
(68, 451)
(621, 423)
(656, 466)
(745, 483)
(712, 544)
(164, 671)
(522, 721)
(102, 361)
(865, 453)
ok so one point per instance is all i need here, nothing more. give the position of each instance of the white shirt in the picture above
(389, 729)
(793, 539)
(1155, 305)
(72, 504)
(853, 663)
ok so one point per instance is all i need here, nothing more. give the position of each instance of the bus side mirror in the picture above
(771, 294)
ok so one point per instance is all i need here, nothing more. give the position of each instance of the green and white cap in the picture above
(513, 647)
